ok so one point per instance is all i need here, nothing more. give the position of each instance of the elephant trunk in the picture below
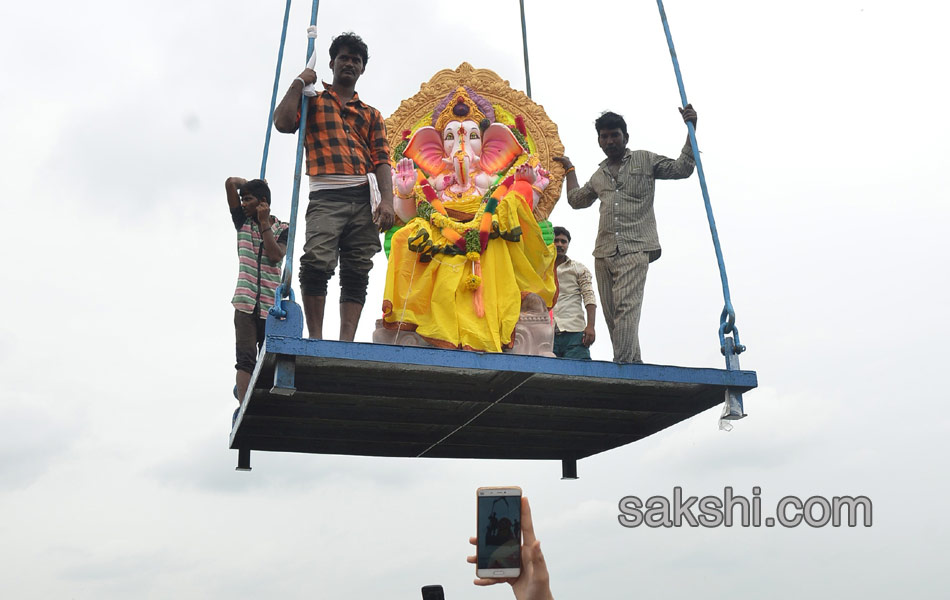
(462, 165)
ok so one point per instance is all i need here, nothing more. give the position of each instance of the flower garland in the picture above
(470, 237)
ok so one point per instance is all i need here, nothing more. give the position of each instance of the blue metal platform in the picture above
(330, 397)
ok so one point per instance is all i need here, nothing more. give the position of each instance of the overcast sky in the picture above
(824, 134)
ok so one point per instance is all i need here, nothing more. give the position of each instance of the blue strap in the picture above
(273, 98)
(727, 320)
(285, 291)
(524, 43)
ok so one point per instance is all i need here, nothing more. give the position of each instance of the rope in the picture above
(273, 99)
(405, 304)
(727, 320)
(480, 413)
(284, 291)
(402, 316)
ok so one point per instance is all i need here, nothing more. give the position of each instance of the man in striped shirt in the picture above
(351, 197)
(627, 240)
(261, 244)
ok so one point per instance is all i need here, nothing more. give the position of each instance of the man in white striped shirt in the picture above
(627, 240)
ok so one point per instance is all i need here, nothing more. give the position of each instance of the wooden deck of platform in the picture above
(331, 397)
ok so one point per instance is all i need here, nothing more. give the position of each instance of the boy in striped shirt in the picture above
(261, 244)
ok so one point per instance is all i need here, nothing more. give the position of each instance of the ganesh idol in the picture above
(471, 261)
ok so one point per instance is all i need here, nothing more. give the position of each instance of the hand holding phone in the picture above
(534, 582)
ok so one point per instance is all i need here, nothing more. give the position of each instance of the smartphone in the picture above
(432, 592)
(498, 521)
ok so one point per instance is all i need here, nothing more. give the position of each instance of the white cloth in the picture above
(309, 90)
(336, 182)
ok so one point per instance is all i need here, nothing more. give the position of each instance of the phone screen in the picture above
(499, 530)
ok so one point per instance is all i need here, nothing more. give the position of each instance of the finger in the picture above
(484, 582)
(473, 541)
(527, 526)
(470, 559)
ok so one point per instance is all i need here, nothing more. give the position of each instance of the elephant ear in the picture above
(425, 148)
(499, 148)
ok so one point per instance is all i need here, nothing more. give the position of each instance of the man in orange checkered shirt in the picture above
(351, 197)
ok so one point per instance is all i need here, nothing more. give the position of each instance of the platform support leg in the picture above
(284, 371)
(569, 468)
(244, 459)
(732, 411)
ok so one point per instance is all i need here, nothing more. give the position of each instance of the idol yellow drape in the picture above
(433, 299)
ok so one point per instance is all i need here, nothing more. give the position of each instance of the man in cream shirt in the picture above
(576, 306)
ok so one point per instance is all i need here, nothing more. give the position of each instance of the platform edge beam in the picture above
(733, 409)
(284, 372)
